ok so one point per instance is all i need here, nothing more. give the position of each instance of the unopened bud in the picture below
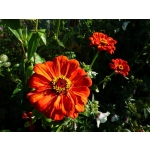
(7, 64)
(3, 58)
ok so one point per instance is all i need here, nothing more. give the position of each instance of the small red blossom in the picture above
(103, 42)
(29, 120)
(120, 66)
(141, 130)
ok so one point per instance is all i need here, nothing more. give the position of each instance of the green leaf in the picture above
(52, 47)
(37, 114)
(95, 88)
(70, 55)
(5, 130)
(48, 120)
(1, 73)
(42, 35)
(14, 27)
(29, 35)
(28, 72)
(25, 37)
(59, 128)
(60, 43)
(33, 44)
(38, 59)
(104, 84)
(17, 89)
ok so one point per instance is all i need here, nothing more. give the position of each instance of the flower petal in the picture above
(76, 75)
(73, 65)
(46, 102)
(68, 105)
(42, 69)
(35, 96)
(78, 101)
(81, 91)
(62, 64)
(83, 81)
(54, 114)
(74, 115)
(37, 80)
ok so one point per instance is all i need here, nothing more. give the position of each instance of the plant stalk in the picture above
(104, 78)
(96, 55)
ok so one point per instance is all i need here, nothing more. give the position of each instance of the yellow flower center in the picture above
(120, 67)
(61, 83)
(103, 41)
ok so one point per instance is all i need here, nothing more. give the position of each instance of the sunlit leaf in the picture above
(28, 72)
(59, 128)
(60, 43)
(42, 35)
(33, 44)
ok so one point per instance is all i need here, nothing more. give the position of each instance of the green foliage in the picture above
(29, 42)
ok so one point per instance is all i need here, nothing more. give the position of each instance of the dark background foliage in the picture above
(129, 97)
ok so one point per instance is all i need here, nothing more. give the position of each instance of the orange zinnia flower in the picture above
(61, 88)
(120, 66)
(103, 42)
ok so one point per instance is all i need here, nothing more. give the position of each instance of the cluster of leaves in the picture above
(28, 42)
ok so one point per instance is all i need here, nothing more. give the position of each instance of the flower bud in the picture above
(7, 64)
(24, 116)
(132, 77)
(27, 124)
(1, 63)
(3, 58)
(114, 118)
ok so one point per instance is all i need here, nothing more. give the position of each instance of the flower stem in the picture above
(23, 50)
(96, 55)
(58, 25)
(36, 30)
(108, 76)
(36, 25)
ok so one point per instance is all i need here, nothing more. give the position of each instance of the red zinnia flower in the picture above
(120, 66)
(61, 88)
(103, 42)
